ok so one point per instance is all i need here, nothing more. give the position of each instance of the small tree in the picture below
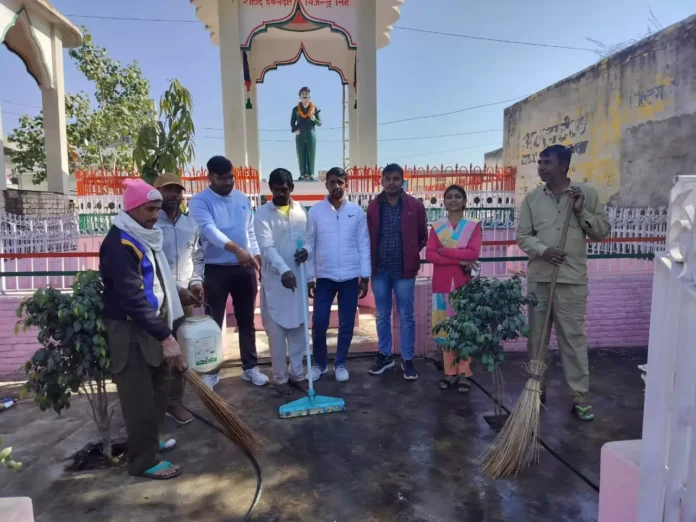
(165, 145)
(488, 312)
(99, 132)
(74, 357)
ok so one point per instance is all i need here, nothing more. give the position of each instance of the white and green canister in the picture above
(200, 339)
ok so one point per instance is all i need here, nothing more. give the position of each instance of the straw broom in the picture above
(230, 420)
(516, 445)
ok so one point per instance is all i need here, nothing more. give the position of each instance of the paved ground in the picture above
(402, 452)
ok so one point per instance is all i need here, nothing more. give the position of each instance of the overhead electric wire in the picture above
(488, 39)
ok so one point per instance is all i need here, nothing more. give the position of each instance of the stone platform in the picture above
(403, 451)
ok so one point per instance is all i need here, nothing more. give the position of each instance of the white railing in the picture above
(26, 234)
(668, 451)
(634, 223)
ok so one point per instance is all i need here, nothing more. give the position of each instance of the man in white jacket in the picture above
(279, 224)
(341, 264)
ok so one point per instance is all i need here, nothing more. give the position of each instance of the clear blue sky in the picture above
(418, 74)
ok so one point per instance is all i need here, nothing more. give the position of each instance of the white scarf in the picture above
(151, 240)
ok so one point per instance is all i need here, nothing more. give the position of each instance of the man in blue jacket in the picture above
(231, 255)
(142, 306)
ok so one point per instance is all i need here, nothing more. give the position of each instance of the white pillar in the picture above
(367, 82)
(233, 97)
(56, 140)
(354, 151)
(3, 177)
(252, 129)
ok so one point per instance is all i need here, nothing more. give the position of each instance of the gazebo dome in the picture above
(387, 14)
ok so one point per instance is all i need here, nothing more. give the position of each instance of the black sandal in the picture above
(300, 385)
(283, 389)
(444, 384)
(464, 386)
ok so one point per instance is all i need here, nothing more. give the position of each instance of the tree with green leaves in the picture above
(167, 144)
(97, 136)
(74, 357)
(488, 312)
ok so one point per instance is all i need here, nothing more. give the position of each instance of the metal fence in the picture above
(27, 234)
(24, 273)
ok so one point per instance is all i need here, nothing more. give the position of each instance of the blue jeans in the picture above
(383, 287)
(324, 296)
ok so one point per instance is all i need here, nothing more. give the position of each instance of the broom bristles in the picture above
(230, 421)
(516, 446)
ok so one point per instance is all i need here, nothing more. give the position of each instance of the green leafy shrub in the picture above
(488, 312)
(74, 357)
(6, 458)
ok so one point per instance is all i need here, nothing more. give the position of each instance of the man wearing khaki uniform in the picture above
(538, 234)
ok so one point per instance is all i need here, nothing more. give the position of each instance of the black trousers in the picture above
(222, 281)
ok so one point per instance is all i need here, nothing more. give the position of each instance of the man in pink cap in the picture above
(142, 305)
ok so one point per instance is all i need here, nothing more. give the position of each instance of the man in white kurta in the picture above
(282, 231)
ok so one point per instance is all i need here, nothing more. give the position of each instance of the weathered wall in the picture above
(34, 203)
(493, 158)
(631, 117)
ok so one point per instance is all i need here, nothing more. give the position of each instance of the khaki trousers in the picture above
(284, 341)
(568, 318)
(142, 391)
(176, 378)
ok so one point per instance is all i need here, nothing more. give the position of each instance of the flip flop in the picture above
(444, 384)
(150, 473)
(167, 445)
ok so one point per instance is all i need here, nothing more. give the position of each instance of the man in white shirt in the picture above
(341, 264)
(281, 225)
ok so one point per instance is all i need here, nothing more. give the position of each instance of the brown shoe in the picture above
(180, 414)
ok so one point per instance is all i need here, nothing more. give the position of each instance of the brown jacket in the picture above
(414, 231)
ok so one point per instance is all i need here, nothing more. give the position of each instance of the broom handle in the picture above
(554, 276)
(305, 315)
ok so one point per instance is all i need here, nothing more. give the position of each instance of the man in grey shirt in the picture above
(182, 249)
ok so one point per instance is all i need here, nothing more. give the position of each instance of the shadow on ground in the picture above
(403, 451)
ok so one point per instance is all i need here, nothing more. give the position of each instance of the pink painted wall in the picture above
(618, 315)
(15, 350)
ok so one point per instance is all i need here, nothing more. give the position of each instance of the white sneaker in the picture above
(255, 376)
(317, 372)
(341, 373)
(211, 380)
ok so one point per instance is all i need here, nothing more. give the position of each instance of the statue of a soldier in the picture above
(305, 117)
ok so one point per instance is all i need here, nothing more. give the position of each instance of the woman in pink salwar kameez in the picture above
(453, 247)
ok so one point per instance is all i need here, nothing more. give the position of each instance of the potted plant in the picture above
(488, 312)
(74, 357)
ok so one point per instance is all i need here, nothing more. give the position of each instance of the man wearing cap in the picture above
(142, 304)
(182, 249)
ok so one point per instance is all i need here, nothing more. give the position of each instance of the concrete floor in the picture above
(403, 451)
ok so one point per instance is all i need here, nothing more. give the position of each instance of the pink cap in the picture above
(138, 193)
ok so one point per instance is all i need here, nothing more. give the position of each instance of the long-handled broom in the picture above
(230, 420)
(312, 404)
(516, 446)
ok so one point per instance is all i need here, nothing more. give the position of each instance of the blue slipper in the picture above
(165, 446)
(150, 473)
